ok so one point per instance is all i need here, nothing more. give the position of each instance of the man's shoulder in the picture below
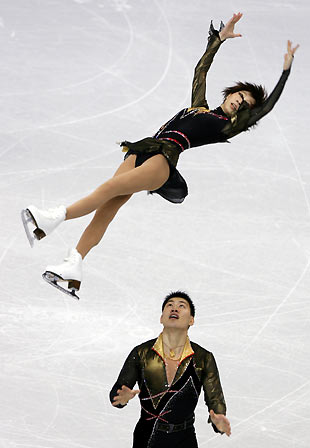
(146, 345)
(199, 350)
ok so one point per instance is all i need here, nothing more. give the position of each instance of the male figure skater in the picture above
(170, 372)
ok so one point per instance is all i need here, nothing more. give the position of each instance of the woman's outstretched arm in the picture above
(247, 117)
(215, 40)
(267, 106)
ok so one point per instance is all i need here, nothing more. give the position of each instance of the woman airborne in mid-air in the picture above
(150, 164)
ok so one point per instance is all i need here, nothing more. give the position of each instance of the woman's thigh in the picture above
(127, 165)
(151, 175)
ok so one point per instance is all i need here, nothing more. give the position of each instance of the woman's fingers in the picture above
(291, 50)
(236, 17)
(288, 57)
(294, 49)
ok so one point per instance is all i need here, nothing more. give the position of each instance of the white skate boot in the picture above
(44, 221)
(69, 271)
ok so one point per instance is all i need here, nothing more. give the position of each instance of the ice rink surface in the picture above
(78, 76)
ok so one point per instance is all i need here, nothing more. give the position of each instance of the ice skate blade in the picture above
(27, 218)
(52, 279)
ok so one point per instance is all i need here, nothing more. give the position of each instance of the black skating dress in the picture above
(167, 411)
(198, 125)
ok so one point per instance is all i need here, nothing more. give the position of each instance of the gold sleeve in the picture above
(202, 68)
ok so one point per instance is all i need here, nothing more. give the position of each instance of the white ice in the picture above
(78, 76)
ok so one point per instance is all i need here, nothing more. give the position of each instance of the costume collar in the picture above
(158, 347)
(219, 111)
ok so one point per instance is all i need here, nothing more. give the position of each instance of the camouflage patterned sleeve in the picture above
(199, 81)
(259, 112)
(247, 117)
(213, 393)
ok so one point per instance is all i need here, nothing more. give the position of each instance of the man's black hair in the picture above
(181, 295)
(258, 92)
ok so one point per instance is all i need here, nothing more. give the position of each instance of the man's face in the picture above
(233, 101)
(177, 314)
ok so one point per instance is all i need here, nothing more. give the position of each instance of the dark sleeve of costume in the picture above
(128, 376)
(247, 117)
(213, 393)
(259, 112)
(199, 81)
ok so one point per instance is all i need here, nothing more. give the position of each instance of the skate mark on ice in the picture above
(306, 267)
(123, 106)
(271, 405)
(105, 24)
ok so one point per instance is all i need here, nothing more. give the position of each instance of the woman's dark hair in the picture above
(181, 295)
(258, 92)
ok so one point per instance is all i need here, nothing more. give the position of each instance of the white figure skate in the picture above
(69, 271)
(43, 221)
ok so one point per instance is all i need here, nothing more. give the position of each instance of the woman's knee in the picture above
(107, 211)
(107, 191)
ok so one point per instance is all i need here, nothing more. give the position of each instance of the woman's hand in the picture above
(124, 395)
(228, 30)
(288, 57)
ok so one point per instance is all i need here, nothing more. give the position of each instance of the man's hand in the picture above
(228, 30)
(124, 395)
(221, 422)
(288, 57)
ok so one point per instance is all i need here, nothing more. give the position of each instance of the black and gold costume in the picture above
(198, 125)
(167, 411)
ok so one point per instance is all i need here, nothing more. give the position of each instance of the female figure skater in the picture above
(150, 164)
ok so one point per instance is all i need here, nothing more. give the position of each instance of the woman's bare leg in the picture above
(93, 234)
(152, 174)
(104, 215)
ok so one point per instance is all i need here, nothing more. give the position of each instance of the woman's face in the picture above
(233, 101)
